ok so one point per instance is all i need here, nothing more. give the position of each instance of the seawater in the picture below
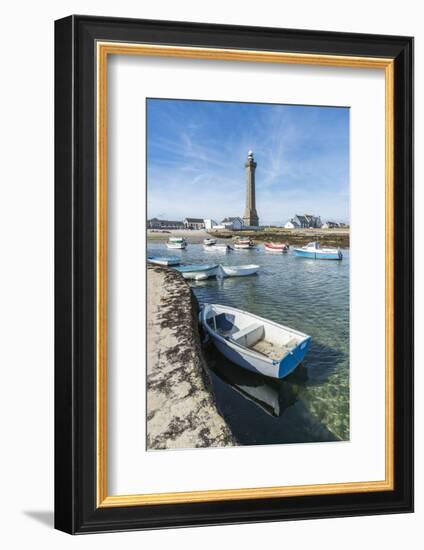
(312, 296)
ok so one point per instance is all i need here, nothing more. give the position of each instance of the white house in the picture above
(234, 224)
(291, 224)
(210, 224)
(330, 225)
(194, 223)
(306, 220)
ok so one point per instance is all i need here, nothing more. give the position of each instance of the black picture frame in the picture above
(76, 510)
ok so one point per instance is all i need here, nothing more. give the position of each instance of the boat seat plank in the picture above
(249, 335)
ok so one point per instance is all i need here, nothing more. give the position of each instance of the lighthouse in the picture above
(250, 217)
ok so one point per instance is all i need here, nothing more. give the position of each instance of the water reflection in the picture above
(272, 396)
(261, 410)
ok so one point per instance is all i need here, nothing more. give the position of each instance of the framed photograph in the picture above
(234, 274)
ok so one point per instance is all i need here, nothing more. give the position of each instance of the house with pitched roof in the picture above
(194, 223)
(308, 221)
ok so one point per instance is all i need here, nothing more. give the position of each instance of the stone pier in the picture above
(181, 410)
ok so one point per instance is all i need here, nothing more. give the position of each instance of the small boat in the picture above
(252, 342)
(220, 248)
(209, 242)
(238, 270)
(276, 247)
(176, 243)
(163, 260)
(244, 244)
(198, 272)
(313, 250)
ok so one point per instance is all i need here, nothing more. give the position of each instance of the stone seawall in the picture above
(181, 410)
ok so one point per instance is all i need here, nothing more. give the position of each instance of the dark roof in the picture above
(157, 220)
(231, 219)
(194, 220)
(306, 218)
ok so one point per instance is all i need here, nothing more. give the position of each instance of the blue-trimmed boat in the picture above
(313, 250)
(163, 260)
(198, 272)
(254, 343)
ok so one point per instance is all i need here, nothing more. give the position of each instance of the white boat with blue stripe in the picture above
(254, 343)
(198, 272)
(313, 250)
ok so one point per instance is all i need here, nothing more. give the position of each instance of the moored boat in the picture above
(313, 250)
(276, 247)
(209, 242)
(238, 270)
(163, 260)
(254, 343)
(176, 243)
(220, 248)
(244, 244)
(198, 272)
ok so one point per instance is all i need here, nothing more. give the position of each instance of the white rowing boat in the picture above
(209, 242)
(254, 343)
(278, 248)
(244, 244)
(238, 270)
(198, 272)
(176, 243)
(163, 260)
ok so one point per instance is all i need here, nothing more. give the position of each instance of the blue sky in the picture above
(196, 152)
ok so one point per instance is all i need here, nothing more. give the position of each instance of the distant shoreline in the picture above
(329, 237)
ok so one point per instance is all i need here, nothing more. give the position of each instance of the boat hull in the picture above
(163, 261)
(318, 255)
(253, 361)
(198, 273)
(238, 271)
(176, 246)
(277, 249)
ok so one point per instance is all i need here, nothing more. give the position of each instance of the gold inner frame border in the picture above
(103, 50)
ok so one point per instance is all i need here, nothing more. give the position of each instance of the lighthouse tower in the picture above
(250, 215)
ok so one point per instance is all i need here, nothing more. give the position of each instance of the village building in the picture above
(330, 225)
(194, 223)
(155, 223)
(307, 221)
(291, 224)
(233, 224)
(210, 224)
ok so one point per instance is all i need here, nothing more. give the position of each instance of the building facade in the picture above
(330, 225)
(307, 221)
(194, 223)
(234, 224)
(210, 224)
(155, 223)
(291, 224)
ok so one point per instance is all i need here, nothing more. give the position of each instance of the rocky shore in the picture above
(181, 410)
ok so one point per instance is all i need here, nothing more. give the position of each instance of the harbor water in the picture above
(312, 296)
